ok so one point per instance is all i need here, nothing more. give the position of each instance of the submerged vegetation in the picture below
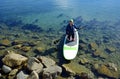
(98, 55)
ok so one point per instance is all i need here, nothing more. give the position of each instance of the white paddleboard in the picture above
(70, 48)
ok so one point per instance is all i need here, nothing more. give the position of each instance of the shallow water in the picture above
(100, 17)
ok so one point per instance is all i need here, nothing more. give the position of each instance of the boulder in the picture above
(51, 72)
(12, 59)
(16, 42)
(110, 49)
(47, 62)
(2, 47)
(33, 75)
(75, 68)
(22, 75)
(107, 71)
(6, 69)
(34, 64)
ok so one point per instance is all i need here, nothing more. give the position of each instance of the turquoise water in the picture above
(47, 11)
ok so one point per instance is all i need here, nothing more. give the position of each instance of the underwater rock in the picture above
(97, 53)
(93, 46)
(6, 69)
(18, 46)
(25, 48)
(60, 15)
(51, 72)
(12, 59)
(47, 62)
(84, 61)
(2, 47)
(5, 42)
(107, 71)
(75, 68)
(22, 75)
(32, 27)
(39, 49)
(110, 49)
(34, 64)
(16, 42)
(56, 41)
(33, 75)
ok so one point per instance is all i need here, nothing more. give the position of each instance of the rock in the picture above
(107, 71)
(22, 75)
(51, 72)
(110, 49)
(12, 59)
(5, 42)
(34, 65)
(75, 68)
(93, 46)
(13, 72)
(84, 61)
(33, 75)
(16, 42)
(25, 48)
(0, 74)
(46, 61)
(2, 47)
(113, 66)
(6, 69)
(18, 46)
(39, 49)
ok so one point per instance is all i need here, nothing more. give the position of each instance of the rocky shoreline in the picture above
(33, 54)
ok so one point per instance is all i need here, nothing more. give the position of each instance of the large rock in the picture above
(46, 61)
(12, 59)
(108, 71)
(33, 75)
(6, 69)
(12, 74)
(34, 65)
(51, 72)
(75, 68)
(21, 75)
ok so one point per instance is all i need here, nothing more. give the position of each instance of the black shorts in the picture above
(69, 35)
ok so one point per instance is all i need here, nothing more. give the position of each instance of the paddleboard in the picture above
(70, 48)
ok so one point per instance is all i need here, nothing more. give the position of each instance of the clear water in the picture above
(51, 13)
(47, 10)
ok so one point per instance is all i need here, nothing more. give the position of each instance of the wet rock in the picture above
(51, 72)
(110, 49)
(107, 71)
(97, 53)
(22, 75)
(5, 42)
(33, 75)
(2, 47)
(75, 68)
(84, 61)
(12, 74)
(34, 65)
(113, 66)
(12, 59)
(25, 48)
(93, 46)
(16, 42)
(18, 46)
(39, 49)
(6, 69)
(47, 62)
